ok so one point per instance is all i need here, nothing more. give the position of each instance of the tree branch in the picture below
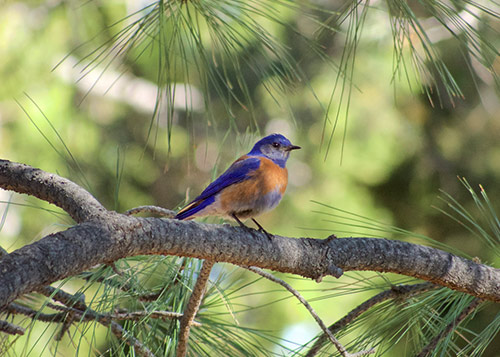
(73, 199)
(450, 327)
(10, 329)
(193, 306)
(394, 292)
(320, 322)
(107, 236)
(78, 301)
(130, 340)
(69, 315)
(160, 211)
(139, 315)
(18, 309)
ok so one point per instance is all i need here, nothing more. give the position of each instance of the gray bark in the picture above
(101, 236)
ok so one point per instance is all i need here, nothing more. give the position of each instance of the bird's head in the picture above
(275, 147)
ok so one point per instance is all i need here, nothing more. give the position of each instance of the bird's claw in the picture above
(268, 235)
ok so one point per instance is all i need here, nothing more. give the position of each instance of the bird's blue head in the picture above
(275, 147)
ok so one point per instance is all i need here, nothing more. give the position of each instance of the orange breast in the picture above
(271, 177)
(244, 195)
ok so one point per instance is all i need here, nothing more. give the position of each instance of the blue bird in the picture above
(253, 184)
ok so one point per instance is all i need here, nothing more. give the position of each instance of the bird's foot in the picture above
(261, 229)
(268, 235)
(251, 230)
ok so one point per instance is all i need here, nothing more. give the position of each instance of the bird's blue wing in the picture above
(237, 172)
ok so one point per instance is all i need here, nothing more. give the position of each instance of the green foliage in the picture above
(220, 73)
(486, 227)
(406, 325)
(206, 44)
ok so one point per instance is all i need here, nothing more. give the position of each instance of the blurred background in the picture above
(136, 128)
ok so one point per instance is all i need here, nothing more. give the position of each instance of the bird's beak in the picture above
(293, 147)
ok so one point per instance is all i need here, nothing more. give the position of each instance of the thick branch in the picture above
(112, 236)
(79, 248)
(73, 199)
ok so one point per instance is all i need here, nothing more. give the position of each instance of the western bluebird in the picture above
(253, 184)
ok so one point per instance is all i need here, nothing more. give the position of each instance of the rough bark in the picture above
(105, 236)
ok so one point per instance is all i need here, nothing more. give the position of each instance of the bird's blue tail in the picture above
(193, 208)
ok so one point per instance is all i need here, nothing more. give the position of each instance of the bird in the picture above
(253, 184)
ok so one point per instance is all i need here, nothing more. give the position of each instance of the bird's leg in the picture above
(242, 225)
(269, 235)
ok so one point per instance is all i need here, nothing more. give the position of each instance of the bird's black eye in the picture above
(276, 145)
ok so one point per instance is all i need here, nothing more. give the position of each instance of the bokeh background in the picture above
(98, 123)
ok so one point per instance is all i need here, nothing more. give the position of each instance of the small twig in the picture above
(68, 321)
(130, 340)
(14, 308)
(320, 322)
(160, 211)
(76, 301)
(91, 315)
(138, 315)
(69, 314)
(149, 297)
(192, 307)
(450, 327)
(115, 269)
(106, 320)
(11, 329)
(394, 292)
